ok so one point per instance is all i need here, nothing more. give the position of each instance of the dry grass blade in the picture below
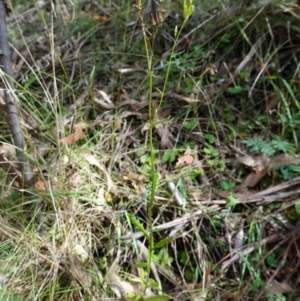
(249, 249)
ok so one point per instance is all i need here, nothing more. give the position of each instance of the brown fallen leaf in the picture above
(191, 100)
(9, 151)
(40, 184)
(8, 156)
(123, 115)
(185, 159)
(74, 137)
(260, 167)
(93, 161)
(136, 180)
(135, 177)
(200, 291)
(161, 126)
(145, 128)
(256, 162)
(123, 289)
(279, 287)
(251, 180)
(163, 131)
(78, 270)
(284, 159)
(100, 18)
(94, 11)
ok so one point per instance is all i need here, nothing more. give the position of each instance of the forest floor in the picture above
(164, 150)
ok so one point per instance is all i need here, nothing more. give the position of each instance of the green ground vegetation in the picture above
(164, 141)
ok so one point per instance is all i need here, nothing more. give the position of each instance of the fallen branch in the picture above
(11, 109)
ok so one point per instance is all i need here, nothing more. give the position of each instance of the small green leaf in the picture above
(256, 144)
(137, 223)
(211, 151)
(137, 279)
(283, 146)
(231, 201)
(271, 260)
(169, 155)
(189, 275)
(184, 259)
(207, 150)
(292, 215)
(190, 124)
(163, 258)
(235, 90)
(295, 168)
(158, 298)
(226, 38)
(153, 284)
(163, 242)
(245, 74)
(297, 207)
(210, 138)
(132, 295)
(13, 197)
(102, 263)
(196, 173)
(215, 153)
(227, 184)
(212, 163)
(144, 159)
(141, 265)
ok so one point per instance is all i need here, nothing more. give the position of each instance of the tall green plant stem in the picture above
(188, 9)
(153, 176)
(177, 35)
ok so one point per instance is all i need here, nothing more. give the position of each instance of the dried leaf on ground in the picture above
(93, 161)
(76, 180)
(164, 133)
(104, 96)
(74, 137)
(177, 195)
(123, 115)
(185, 159)
(93, 9)
(72, 108)
(161, 126)
(40, 184)
(260, 167)
(8, 156)
(199, 295)
(145, 128)
(279, 287)
(201, 290)
(239, 237)
(191, 100)
(80, 252)
(256, 162)
(8, 151)
(251, 180)
(29, 120)
(284, 159)
(78, 271)
(123, 289)
(101, 98)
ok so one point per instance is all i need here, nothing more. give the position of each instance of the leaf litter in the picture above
(94, 176)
